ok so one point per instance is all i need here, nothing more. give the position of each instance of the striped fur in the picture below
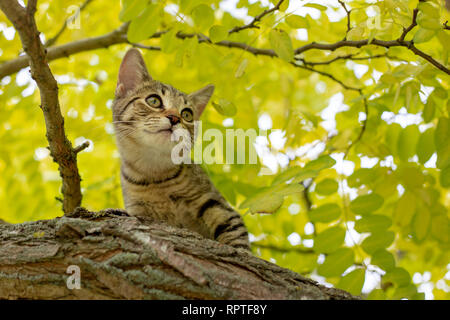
(152, 185)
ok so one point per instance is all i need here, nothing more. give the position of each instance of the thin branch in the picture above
(326, 74)
(348, 17)
(256, 19)
(115, 37)
(60, 147)
(81, 147)
(347, 57)
(411, 26)
(53, 39)
(376, 42)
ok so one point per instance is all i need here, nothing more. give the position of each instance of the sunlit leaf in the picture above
(325, 213)
(327, 187)
(366, 203)
(329, 240)
(353, 281)
(336, 263)
(281, 44)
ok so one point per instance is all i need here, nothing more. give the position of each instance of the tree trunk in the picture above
(122, 257)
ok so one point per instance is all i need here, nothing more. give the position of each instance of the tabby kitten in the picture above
(146, 113)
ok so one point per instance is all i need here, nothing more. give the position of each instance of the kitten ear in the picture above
(200, 99)
(132, 72)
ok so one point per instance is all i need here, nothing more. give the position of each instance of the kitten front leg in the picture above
(138, 209)
(225, 224)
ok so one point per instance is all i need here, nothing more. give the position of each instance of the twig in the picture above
(81, 147)
(60, 147)
(348, 17)
(411, 26)
(328, 75)
(347, 57)
(53, 39)
(256, 19)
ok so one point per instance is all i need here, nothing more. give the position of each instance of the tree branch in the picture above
(117, 36)
(348, 12)
(122, 257)
(256, 19)
(60, 147)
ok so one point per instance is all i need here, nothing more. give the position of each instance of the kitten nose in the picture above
(173, 119)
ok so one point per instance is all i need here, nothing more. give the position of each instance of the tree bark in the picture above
(123, 257)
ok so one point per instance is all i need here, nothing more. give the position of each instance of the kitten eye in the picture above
(154, 101)
(187, 115)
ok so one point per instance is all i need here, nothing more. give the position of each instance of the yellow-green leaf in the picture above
(325, 213)
(282, 45)
(329, 240)
(353, 282)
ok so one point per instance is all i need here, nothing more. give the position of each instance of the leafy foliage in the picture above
(360, 194)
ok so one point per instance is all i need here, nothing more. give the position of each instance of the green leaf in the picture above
(440, 92)
(218, 33)
(360, 177)
(203, 16)
(444, 177)
(316, 6)
(284, 5)
(441, 138)
(297, 22)
(281, 44)
(366, 203)
(392, 136)
(145, 25)
(429, 110)
(408, 292)
(131, 9)
(327, 187)
(353, 282)
(377, 294)
(440, 228)
(270, 199)
(428, 23)
(169, 43)
(407, 142)
(298, 174)
(423, 35)
(325, 213)
(329, 240)
(429, 10)
(377, 241)
(320, 163)
(241, 68)
(425, 146)
(373, 223)
(337, 262)
(422, 221)
(225, 107)
(404, 211)
(398, 276)
(384, 259)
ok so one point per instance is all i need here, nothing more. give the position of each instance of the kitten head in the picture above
(146, 112)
